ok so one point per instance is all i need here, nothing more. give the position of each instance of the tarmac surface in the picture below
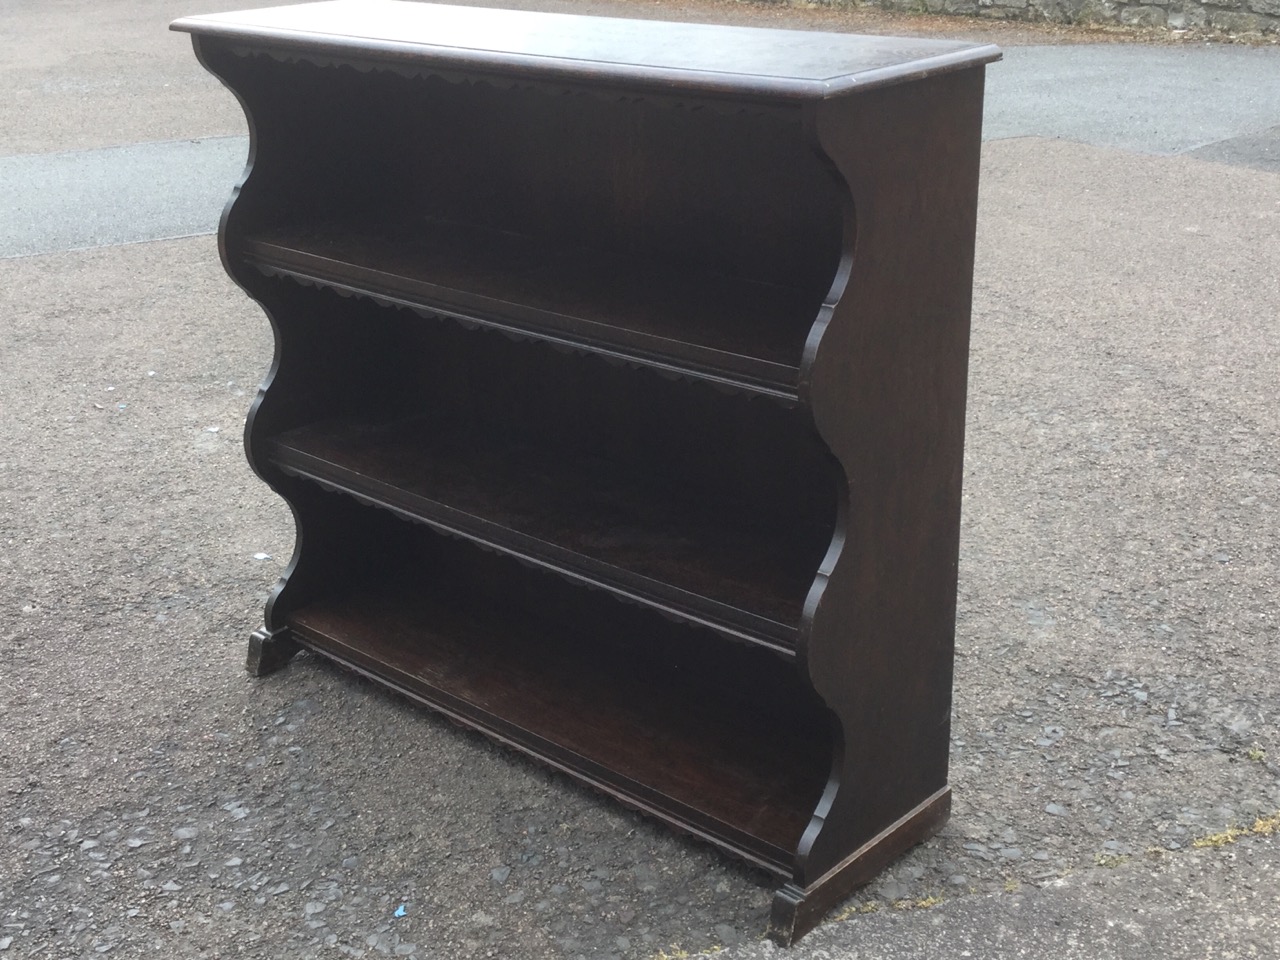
(1117, 703)
(1217, 99)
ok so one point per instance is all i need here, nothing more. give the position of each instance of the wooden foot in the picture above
(797, 910)
(270, 650)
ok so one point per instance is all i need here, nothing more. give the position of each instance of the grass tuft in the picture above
(1262, 827)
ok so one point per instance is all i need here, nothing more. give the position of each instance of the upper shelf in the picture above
(672, 57)
(708, 326)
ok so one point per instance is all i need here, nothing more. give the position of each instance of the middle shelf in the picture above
(583, 517)
(707, 506)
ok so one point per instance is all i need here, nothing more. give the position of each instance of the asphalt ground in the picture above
(1159, 100)
(1117, 700)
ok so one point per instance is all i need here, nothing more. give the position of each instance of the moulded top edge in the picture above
(784, 64)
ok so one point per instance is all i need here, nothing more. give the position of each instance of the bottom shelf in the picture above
(715, 738)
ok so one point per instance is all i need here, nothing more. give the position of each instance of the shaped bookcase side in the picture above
(271, 647)
(885, 378)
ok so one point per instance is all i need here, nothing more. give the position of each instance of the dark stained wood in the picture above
(584, 518)
(887, 388)
(637, 720)
(798, 909)
(728, 329)
(687, 56)
(659, 333)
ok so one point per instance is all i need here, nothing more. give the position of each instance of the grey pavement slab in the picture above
(81, 74)
(1152, 99)
(93, 198)
(1258, 150)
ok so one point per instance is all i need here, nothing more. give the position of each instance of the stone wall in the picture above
(1227, 16)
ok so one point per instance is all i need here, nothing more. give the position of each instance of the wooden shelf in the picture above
(583, 518)
(711, 326)
(725, 762)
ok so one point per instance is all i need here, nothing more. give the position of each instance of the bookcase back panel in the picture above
(686, 182)
(753, 463)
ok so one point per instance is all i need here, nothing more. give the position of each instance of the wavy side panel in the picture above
(271, 403)
(884, 377)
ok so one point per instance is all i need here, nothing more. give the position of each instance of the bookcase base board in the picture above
(797, 910)
(270, 650)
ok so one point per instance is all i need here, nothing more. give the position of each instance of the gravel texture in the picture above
(1197, 904)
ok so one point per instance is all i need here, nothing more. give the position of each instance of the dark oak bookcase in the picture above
(619, 398)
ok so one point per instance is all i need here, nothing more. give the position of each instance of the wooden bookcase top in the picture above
(692, 57)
